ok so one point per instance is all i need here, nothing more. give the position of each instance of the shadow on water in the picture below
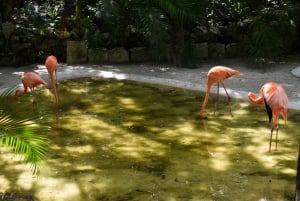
(121, 140)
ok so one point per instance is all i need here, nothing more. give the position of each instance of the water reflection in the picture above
(120, 140)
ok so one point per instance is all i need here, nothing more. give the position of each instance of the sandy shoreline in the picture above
(194, 79)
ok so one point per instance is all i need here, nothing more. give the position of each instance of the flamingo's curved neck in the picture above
(53, 82)
(20, 91)
(205, 99)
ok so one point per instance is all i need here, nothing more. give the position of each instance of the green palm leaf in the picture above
(182, 10)
(22, 134)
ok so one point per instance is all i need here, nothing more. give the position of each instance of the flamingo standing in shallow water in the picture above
(31, 80)
(51, 65)
(274, 98)
(217, 74)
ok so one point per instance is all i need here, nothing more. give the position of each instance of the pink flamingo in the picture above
(31, 80)
(274, 98)
(217, 74)
(51, 65)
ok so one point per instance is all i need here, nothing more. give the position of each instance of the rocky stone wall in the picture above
(21, 47)
(200, 51)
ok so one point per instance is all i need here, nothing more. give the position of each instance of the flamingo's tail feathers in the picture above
(232, 72)
(43, 82)
(269, 111)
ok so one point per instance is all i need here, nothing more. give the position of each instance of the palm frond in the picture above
(183, 10)
(7, 93)
(263, 41)
(28, 144)
(23, 135)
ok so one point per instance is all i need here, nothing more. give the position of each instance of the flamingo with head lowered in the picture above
(274, 98)
(51, 65)
(30, 80)
(217, 74)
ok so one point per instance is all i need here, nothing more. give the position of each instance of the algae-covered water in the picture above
(119, 140)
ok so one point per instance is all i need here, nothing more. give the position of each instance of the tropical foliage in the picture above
(266, 29)
(22, 135)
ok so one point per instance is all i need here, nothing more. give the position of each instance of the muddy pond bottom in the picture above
(120, 140)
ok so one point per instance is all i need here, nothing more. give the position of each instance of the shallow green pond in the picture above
(121, 140)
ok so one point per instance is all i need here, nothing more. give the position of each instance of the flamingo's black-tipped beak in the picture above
(269, 111)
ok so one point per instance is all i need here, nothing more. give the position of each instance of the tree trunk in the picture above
(177, 44)
(7, 7)
(297, 196)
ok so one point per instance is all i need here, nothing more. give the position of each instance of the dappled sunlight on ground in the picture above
(114, 140)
